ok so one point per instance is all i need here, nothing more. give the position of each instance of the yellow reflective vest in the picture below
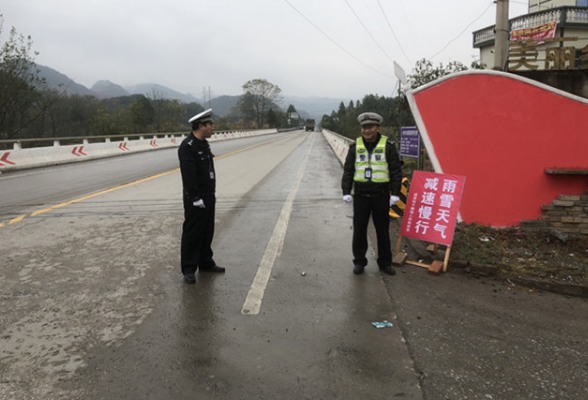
(376, 161)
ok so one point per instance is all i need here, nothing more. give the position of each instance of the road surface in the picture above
(94, 305)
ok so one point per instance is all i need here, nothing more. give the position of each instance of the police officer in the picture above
(372, 169)
(199, 185)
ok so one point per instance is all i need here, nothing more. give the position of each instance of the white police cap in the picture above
(368, 118)
(204, 116)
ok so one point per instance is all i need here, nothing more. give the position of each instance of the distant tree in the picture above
(425, 72)
(172, 113)
(142, 114)
(275, 118)
(271, 118)
(330, 122)
(258, 96)
(245, 107)
(55, 120)
(81, 108)
(222, 124)
(104, 122)
(168, 114)
(342, 111)
(291, 118)
(400, 114)
(157, 98)
(19, 83)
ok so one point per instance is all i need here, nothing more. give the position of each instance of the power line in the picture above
(367, 30)
(393, 33)
(461, 33)
(335, 43)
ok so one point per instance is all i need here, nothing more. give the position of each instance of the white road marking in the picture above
(274, 248)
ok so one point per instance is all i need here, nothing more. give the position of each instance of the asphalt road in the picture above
(31, 189)
(94, 305)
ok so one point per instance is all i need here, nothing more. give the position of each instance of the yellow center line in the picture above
(17, 219)
(67, 203)
(247, 148)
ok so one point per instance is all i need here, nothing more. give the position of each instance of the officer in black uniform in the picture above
(199, 184)
(372, 168)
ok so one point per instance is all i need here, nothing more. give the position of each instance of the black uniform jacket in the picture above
(392, 187)
(197, 168)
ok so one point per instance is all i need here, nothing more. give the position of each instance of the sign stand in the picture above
(434, 268)
(430, 215)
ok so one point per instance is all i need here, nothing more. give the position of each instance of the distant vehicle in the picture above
(309, 125)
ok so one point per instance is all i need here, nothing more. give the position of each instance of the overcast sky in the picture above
(325, 48)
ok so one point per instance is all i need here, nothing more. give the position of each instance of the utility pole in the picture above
(501, 35)
(204, 97)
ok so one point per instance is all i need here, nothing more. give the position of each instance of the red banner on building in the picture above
(535, 33)
(432, 207)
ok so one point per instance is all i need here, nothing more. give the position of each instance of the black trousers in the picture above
(197, 234)
(378, 208)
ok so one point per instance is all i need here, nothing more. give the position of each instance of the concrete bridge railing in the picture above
(339, 144)
(109, 146)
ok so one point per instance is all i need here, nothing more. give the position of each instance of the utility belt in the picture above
(371, 194)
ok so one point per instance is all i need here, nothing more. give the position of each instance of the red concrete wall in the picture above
(502, 132)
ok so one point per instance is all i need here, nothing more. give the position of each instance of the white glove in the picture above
(394, 200)
(347, 198)
(199, 203)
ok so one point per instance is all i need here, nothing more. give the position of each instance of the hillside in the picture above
(307, 107)
(59, 81)
(154, 90)
(107, 90)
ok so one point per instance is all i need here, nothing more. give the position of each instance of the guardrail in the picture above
(339, 144)
(86, 148)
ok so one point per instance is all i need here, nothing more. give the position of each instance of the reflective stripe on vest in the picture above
(376, 161)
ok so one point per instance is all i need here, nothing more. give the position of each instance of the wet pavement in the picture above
(94, 307)
(477, 338)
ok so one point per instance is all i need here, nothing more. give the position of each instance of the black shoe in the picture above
(358, 269)
(388, 270)
(190, 278)
(214, 268)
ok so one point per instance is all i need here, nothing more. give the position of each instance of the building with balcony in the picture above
(549, 44)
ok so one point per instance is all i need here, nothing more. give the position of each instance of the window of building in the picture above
(581, 3)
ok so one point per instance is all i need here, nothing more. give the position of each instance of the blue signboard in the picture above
(409, 141)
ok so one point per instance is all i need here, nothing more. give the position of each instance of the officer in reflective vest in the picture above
(372, 169)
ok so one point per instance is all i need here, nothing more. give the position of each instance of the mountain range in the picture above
(307, 107)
